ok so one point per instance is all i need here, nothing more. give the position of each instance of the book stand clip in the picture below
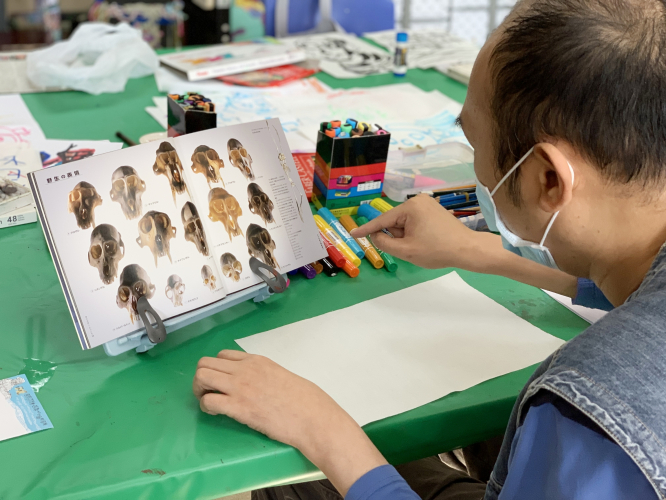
(155, 330)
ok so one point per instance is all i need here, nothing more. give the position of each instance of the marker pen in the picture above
(330, 269)
(333, 237)
(381, 205)
(317, 267)
(370, 252)
(389, 262)
(326, 214)
(308, 271)
(333, 253)
(368, 211)
(351, 270)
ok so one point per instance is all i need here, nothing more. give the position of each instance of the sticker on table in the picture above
(20, 411)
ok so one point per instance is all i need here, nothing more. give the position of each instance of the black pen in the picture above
(125, 139)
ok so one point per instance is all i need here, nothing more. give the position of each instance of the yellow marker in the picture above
(370, 252)
(381, 205)
(333, 237)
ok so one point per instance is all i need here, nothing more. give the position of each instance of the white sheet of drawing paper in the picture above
(16, 121)
(588, 314)
(394, 353)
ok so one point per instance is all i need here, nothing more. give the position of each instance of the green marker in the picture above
(389, 262)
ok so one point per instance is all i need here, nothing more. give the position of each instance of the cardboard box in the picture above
(350, 169)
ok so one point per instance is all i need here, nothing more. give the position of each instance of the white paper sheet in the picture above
(588, 314)
(405, 349)
(430, 48)
(343, 55)
(20, 411)
(16, 122)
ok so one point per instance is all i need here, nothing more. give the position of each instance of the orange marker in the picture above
(350, 269)
(333, 237)
(370, 252)
(317, 267)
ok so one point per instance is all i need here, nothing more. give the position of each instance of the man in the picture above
(566, 111)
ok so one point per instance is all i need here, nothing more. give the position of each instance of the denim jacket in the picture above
(615, 374)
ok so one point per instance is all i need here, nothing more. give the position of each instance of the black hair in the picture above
(591, 72)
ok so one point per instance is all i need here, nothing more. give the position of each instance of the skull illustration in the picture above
(106, 250)
(206, 161)
(175, 289)
(260, 203)
(231, 267)
(194, 230)
(82, 201)
(155, 232)
(167, 163)
(261, 245)
(208, 277)
(134, 284)
(127, 188)
(225, 208)
(240, 158)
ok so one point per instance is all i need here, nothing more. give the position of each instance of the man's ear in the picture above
(556, 177)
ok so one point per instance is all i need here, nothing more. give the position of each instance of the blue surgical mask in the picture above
(536, 252)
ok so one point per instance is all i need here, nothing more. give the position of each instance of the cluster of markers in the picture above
(461, 200)
(194, 101)
(351, 128)
(344, 251)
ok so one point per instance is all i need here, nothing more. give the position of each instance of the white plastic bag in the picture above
(97, 58)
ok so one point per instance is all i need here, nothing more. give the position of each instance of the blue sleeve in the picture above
(558, 458)
(381, 483)
(589, 295)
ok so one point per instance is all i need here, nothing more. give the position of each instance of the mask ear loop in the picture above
(550, 224)
(513, 169)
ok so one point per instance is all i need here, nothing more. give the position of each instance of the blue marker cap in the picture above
(368, 211)
(352, 122)
(402, 37)
(337, 131)
(326, 214)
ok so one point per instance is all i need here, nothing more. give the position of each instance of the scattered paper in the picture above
(159, 115)
(56, 152)
(394, 353)
(13, 75)
(20, 411)
(343, 55)
(430, 48)
(588, 314)
(16, 122)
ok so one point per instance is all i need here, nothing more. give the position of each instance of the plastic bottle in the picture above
(400, 56)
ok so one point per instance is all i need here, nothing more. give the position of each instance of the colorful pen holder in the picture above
(189, 113)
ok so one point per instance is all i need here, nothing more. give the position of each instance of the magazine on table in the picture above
(176, 222)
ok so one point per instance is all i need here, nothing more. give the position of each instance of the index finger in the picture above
(392, 218)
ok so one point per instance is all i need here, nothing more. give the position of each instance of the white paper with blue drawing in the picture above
(20, 411)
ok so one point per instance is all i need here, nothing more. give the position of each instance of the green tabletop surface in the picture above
(129, 427)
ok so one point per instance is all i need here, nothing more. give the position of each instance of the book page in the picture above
(251, 206)
(114, 228)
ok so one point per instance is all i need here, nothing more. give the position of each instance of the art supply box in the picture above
(437, 167)
(185, 118)
(350, 170)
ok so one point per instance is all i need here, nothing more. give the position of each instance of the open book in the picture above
(176, 222)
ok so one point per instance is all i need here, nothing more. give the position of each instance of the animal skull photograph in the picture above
(174, 290)
(168, 164)
(208, 277)
(106, 250)
(259, 202)
(207, 162)
(224, 208)
(261, 245)
(134, 284)
(127, 188)
(156, 232)
(231, 266)
(240, 158)
(82, 201)
(194, 230)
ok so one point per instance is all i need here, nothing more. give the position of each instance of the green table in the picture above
(129, 427)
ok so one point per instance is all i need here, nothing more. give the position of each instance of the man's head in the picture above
(584, 83)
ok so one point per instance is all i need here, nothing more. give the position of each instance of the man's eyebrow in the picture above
(458, 122)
